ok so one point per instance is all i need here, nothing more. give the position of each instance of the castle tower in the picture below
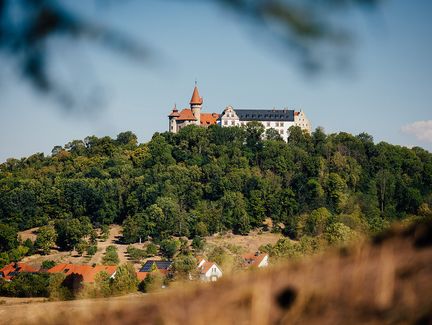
(196, 105)
(173, 119)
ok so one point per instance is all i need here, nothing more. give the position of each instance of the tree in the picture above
(102, 284)
(169, 247)
(125, 280)
(151, 249)
(8, 237)
(46, 239)
(71, 231)
(184, 266)
(111, 257)
(317, 221)
(153, 281)
(338, 234)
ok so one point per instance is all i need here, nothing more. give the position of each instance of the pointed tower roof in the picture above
(196, 99)
(174, 112)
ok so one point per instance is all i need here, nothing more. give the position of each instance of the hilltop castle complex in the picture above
(279, 119)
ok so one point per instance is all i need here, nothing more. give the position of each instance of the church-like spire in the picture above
(196, 99)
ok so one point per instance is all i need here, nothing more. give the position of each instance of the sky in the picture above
(386, 91)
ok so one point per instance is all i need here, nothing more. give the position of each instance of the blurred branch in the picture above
(26, 26)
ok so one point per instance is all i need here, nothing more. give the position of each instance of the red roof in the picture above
(174, 112)
(253, 259)
(88, 272)
(13, 269)
(206, 266)
(186, 115)
(208, 118)
(141, 275)
(196, 99)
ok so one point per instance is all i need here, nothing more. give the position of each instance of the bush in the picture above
(26, 285)
(111, 257)
(81, 247)
(136, 254)
(46, 265)
(184, 265)
(151, 249)
(338, 234)
(198, 243)
(169, 247)
(91, 250)
(153, 282)
(56, 289)
(125, 280)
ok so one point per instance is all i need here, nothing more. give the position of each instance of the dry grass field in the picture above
(386, 281)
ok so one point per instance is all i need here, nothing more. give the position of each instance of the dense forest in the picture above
(202, 181)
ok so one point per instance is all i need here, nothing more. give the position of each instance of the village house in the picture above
(208, 271)
(256, 260)
(87, 272)
(162, 266)
(13, 269)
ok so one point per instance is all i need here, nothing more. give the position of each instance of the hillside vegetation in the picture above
(204, 181)
(386, 281)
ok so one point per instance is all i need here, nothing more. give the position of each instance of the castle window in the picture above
(232, 122)
(225, 122)
(268, 123)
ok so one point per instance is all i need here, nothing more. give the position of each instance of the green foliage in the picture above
(125, 280)
(202, 181)
(153, 281)
(151, 249)
(169, 247)
(102, 284)
(198, 243)
(339, 234)
(8, 237)
(46, 239)
(218, 255)
(111, 256)
(48, 264)
(26, 285)
(71, 231)
(184, 266)
(91, 250)
(136, 254)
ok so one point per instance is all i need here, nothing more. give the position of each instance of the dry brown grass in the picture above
(388, 281)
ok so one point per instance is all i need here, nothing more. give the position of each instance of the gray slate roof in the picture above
(265, 115)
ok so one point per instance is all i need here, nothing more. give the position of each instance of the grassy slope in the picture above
(388, 281)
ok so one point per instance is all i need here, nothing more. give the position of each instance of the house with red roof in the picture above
(13, 269)
(87, 272)
(192, 115)
(208, 271)
(256, 259)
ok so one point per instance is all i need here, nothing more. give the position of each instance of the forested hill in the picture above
(203, 181)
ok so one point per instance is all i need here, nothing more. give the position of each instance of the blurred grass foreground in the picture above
(386, 280)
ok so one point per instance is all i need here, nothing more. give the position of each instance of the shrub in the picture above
(111, 257)
(91, 250)
(184, 265)
(136, 254)
(169, 247)
(337, 234)
(46, 265)
(198, 243)
(151, 249)
(125, 280)
(26, 285)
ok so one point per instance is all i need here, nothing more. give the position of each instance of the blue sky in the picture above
(387, 92)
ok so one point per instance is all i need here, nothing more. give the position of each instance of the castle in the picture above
(280, 120)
